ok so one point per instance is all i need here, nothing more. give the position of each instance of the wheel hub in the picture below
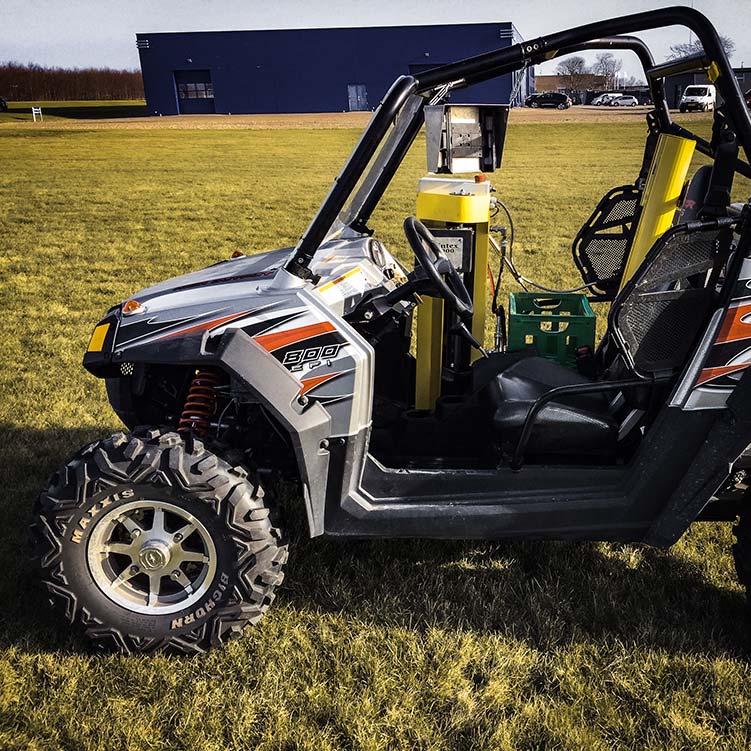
(154, 555)
(151, 556)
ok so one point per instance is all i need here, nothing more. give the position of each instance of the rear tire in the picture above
(742, 552)
(149, 542)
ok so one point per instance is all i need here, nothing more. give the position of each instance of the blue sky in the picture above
(102, 32)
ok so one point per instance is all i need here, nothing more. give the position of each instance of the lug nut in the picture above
(135, 533)
(178, 537)
(134, 569)
(175, 574)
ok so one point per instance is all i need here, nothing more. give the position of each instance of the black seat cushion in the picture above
(572, 425)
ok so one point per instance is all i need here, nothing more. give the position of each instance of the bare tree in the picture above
(31, 82)
(607, 65)
(572, 69)
(695, 47)
(632, 81)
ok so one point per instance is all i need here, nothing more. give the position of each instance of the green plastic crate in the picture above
(555, 325)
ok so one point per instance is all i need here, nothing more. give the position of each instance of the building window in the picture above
(195, 90)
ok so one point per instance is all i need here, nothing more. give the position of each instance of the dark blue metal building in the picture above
(310, 70)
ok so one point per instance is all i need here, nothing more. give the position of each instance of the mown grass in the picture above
(370, 645)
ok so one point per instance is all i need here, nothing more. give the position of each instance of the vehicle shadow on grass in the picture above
(27, 459)
(544, 594)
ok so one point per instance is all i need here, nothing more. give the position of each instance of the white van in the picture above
(701, 98)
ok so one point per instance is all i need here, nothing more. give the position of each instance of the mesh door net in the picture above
(601, 247)
(660, 312)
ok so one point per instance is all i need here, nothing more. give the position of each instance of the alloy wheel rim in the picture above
(151, 556)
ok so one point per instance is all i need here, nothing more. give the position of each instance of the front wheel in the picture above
(152, 543)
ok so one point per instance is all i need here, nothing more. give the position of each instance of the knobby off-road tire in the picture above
(89, 523)
(742, 552)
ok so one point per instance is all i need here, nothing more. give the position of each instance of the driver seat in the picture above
(574, 424)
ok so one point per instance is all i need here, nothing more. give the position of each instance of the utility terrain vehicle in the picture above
(299, 363)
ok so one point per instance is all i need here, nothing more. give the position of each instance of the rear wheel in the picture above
(561, 106)
(742, 552)
(150, 542)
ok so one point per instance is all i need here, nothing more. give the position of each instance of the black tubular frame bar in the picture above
(687, 64)
(299, 261)
(492, 64)
(574, 390)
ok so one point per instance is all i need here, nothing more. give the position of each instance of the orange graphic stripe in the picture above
(734, 328)
(311, 383)
(709, 374)
(270, 342)
(206, 325)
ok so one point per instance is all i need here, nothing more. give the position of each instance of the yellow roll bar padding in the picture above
(659, 201)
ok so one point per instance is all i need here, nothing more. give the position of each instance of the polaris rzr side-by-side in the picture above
(303, 364)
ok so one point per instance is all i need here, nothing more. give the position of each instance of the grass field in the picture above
(370, 645)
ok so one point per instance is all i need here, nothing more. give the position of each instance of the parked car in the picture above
(624, 100)
(548, 99)
(698, 98)
(3, 104)
(604, 99)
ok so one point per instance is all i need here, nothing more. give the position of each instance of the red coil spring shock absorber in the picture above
(200, 403)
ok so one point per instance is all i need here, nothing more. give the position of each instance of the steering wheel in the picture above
(438, 269)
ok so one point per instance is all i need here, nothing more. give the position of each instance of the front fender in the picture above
(307, 422)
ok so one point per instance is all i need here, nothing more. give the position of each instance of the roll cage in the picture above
(434, 85)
